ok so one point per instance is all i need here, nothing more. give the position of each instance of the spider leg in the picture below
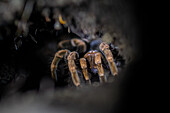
(46, 14)
(94, 58)
(63, 43)
(80, 44)
(100, 67)
(58, 56)
(72, 68)
(83, 64)
(104, 47)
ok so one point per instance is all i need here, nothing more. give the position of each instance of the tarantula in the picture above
(92, 60)
(76, 58)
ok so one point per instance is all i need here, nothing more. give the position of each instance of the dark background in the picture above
(138, 84)
(134, 91)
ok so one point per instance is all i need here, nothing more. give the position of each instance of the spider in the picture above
(91, 60)
(80, 59)
(76, 59)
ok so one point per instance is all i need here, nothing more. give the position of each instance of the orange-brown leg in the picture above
(94, 58)
(104, 47)
(58, 56)
(72, 68)
(99, 66)
(83, 65)
(80, 44)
